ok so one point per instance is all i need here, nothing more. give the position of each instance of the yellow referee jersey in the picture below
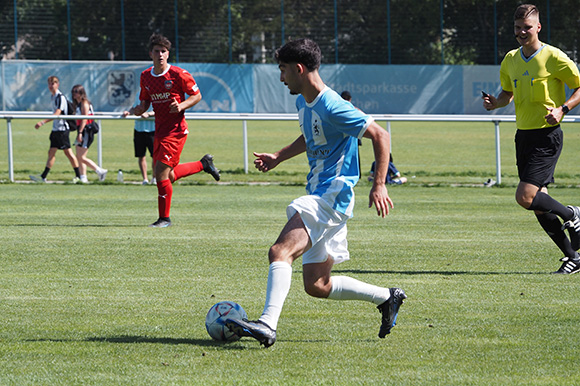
(537, 82)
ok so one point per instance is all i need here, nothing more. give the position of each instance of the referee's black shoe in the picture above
(209, 167)
(569, 265)
(573, 226)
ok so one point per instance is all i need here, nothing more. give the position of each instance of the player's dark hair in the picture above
(524, 11)
(346, 95)
(304, 51)
(159, 40)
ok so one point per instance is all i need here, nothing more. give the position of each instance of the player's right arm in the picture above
(58, 111)
(503, 99)
(140, 108)
(268, 161)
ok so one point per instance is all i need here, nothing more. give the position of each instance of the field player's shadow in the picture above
(434, 272)
(132, 339)
(80, 225)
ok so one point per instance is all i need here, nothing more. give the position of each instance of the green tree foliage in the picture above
(363, 31)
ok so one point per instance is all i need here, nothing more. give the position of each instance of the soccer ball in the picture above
(216, 318)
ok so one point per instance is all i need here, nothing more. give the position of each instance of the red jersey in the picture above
(160, 90)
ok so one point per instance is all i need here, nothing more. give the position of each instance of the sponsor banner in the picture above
(375, 89)
(225, 88)
(114, 86)
(256, 88)
(477, 79)
(397, 89)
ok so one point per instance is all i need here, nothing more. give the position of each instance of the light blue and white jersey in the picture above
(332, 127)
(145, 125)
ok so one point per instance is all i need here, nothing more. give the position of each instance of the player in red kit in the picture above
(165, 87)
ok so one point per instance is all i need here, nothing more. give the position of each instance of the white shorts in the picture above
(326, 228)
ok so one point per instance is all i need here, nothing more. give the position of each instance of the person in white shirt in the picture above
(59, 136)
(316, 227)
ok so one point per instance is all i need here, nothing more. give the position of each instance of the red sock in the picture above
(165, 190)
(187, 169)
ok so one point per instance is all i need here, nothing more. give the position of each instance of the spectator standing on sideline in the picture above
(316, 227)
(165, 86)
(59, 136)
(393, 175)
(143, 138)
(534, 76)
(87, 128)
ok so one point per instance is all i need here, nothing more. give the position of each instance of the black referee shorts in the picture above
(537, 152)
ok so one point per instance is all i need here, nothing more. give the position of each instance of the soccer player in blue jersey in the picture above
(316, 227)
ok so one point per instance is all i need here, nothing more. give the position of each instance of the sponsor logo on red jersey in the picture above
(160, 96)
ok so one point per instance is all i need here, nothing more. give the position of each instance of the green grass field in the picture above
(90, 295)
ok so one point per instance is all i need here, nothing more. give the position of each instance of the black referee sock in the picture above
(545, 203)
(45, 172)
(77, 172)
(553, 227)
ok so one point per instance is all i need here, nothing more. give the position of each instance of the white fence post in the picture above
(245, 144)
(100, 144)
(10, 147)
(497, 153)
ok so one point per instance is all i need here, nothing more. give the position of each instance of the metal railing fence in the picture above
(244, 118)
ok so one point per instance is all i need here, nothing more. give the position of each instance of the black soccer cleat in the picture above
(569, 265)
(390, 309)
(573, 226)
(209, 167)
(255, 329)
(162, 222)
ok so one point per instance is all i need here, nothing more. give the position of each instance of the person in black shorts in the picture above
(535, 76)
(86, 134)
(143, 137)
(59, 136)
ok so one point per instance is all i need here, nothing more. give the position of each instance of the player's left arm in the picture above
(556, 114)
(567, 72)
(192, 100)
(85, 110)
(379, 197)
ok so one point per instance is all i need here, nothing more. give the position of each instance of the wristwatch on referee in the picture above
(565, 109)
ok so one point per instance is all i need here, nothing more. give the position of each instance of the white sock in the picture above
(279, 280)
(347, 288)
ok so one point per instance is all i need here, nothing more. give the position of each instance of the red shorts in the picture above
(168, 149)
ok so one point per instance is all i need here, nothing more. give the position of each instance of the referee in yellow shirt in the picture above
(534, 77)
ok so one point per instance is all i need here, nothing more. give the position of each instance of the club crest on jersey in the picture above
(316, 127)
(168, 84)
